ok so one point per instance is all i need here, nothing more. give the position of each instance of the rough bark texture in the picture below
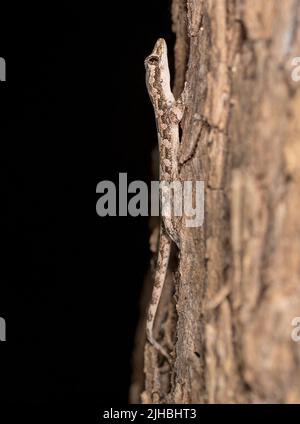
(237, 280)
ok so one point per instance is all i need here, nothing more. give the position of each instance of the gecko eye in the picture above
(153, 60)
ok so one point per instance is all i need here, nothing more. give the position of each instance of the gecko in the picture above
(168, 115)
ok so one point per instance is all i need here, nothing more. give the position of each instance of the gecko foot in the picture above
(159, 348)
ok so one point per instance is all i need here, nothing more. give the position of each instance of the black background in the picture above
(74, 108)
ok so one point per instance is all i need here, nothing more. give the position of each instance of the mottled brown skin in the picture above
(168, 114)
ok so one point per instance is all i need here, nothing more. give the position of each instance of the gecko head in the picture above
(158, 57)
(157, 68)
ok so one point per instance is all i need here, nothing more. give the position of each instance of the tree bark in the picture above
(237, 278)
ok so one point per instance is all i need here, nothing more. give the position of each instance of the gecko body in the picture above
(168, 114)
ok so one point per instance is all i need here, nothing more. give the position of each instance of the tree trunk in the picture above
(236, 283)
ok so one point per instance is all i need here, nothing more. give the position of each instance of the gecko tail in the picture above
(159, 280)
